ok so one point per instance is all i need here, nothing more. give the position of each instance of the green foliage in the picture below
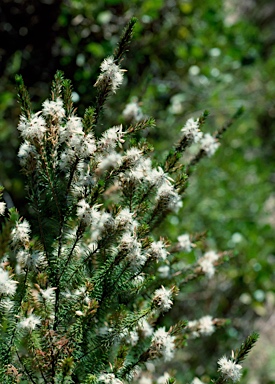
(92, 263)
(240, 354)
(206, 63)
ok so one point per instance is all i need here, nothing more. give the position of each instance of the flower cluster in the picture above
(191, 130)
(184, 243)
(21, 233)
(132, 111)
(202, 327)
(162, 299)
(229, 369)
(158, 251)
(209, 144)
(206, 262)
(53, 109)
(196, 380)
(2, 208)
(162, 345)
(111, 74)
(7, 284)
(109, 378)
(32, 129)
(29, 323)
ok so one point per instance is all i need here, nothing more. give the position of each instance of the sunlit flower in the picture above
(111, 138)
(7, 285)
(207, 261)
(53, 108)
(33, 128)
(21, 233)
(196, 380)
(163, 379)
(191, 130)
(157, 251)
(30, 322)
(132, 111)
(184, 243)
(204, 326)
(48, 294)
(229, 369)
(111, 74)
(168, 198)
(209, 144)
(2, 207)
(109, 378)
(162, 344)
(162, 299)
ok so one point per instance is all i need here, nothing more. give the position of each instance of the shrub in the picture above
(86, 285)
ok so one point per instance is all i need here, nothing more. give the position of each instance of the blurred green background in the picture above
(186, 56)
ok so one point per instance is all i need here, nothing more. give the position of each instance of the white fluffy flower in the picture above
(6, 304)
(191, 130)
(29, 322)
(132, 156)
(48, 294)
(229, 369)
(26, 150)
(83, 211)
(124, 220)
(66, 159)
(158, 251)
(163, 344)
(73, 134)
(132, 111)
(163, 379)
(145, 328)
(2, 207)
(164, 271)
(111, 74)
(112, 160)
(207, 267)
(204, 326)
(73, 130)
(162, 299)
(211, 256)
(196, 380)
(132, 338)
(132, 247)
(7, 285)
(21, 233)
(109, 378)
(209, 144)
(145, 380)
(53, 109)
(86, 147)
(207, 263)
(168, 198)
(111, 138)
(33, 128)
(157, 177)
(33, 261)
(141, 170)
(185, 243)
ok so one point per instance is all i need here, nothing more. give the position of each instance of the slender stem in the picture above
(25, 369)
(78, 237)
(50, 183)
(38, 365)
(57, 291)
